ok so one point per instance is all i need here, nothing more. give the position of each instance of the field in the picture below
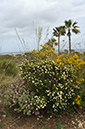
(72, 119)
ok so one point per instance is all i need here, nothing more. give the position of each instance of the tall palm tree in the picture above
(58, 31)
(71, 27)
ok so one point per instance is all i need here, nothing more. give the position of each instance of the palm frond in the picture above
(68, 23)
(76, 27)
(74, 24)
(55, 33)
(76, 31)
(59, 31)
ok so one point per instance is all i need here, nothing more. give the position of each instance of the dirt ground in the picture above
(12, 120)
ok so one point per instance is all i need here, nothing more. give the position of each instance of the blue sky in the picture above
(27, 15)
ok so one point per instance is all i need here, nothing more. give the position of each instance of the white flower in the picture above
(61, 92)
(60, 96)
(32, 81)
(47, 90)
(36, 108)
(58, 93)
(55, 110)
(53, 106)
(53, 93)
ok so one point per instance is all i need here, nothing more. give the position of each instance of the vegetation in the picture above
(22, 95)
(43, 83)
(71, 27)
(7, 67)
(59, 31)
(51, 42)
(48, 82)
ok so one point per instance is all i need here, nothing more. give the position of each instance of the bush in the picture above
(8, 67)
(18, 96)
(11, 69)
(48, 82)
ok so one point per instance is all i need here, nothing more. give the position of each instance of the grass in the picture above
(10, 119)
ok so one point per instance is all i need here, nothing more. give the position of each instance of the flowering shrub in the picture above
(53, 83)
(20, 97)
(77, 64)
(48, 82)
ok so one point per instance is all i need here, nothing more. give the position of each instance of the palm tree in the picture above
(51, 42)
(71, 27)
(58, 31)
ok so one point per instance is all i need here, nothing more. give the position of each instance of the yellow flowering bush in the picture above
(75, 61)
(45, 52)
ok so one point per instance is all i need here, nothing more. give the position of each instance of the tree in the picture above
(58, 31)
(71, 27)
(51, 42)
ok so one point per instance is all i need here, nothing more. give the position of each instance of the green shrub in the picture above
(8, 67)
(52, 82)
(11, 69)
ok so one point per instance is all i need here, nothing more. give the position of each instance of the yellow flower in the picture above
(42, 52)
(52, 51)
(73, 103)
(58, 60)
(28, 52)
(75, 56)
(69, 61)
(80, 107)
(77, 82)
(62, 57)
(81, 79)
(78, 102)
(78, 96)
(44, 46)
(34, 51)
(76, 99)
(75, 76)
(62, 64)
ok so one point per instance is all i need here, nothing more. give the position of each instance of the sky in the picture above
(20, 20)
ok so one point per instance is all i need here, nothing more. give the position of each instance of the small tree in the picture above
(71, 27)
(58, 31)
(51, 42)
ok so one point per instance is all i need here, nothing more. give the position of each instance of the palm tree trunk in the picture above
(58, 45)
(69, 34)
